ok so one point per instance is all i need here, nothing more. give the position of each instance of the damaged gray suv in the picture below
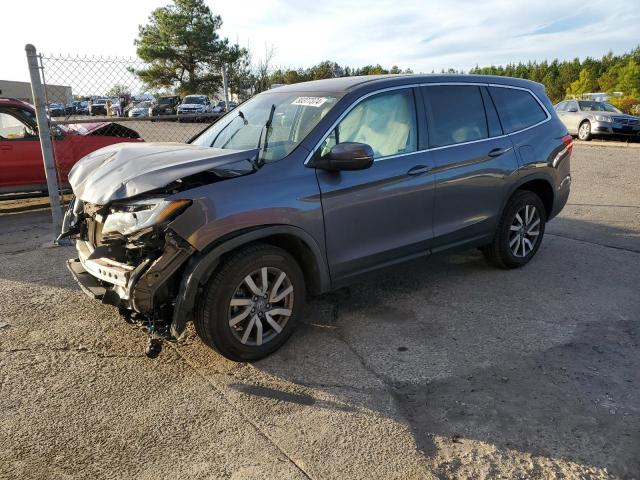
(306, 188)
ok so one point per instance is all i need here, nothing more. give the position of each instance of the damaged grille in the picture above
(131, 250)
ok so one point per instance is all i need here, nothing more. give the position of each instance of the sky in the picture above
(421, 35)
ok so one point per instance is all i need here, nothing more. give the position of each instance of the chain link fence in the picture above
(84, 103)
(83, 90)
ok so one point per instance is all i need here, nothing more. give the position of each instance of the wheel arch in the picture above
(201, 266)
(541, 185)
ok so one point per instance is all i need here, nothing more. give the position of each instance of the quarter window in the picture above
(456, 114)
(517, 108)
(386, 122)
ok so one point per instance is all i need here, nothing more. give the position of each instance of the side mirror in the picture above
(572, 110)
(345, 156)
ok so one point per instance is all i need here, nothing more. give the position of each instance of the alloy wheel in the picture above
(584, 131)
(524, 231)
(261, 306)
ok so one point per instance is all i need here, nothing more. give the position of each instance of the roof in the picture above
(16, 102)
(348, 84)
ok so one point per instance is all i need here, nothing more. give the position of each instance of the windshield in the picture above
(191, 99)
(143, 105)
(294, 116)
(597, 107)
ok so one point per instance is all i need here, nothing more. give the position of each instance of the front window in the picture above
(13, 129)
(386, 122)
(588, 106)
(292, 116)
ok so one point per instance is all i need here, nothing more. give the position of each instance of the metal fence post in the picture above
(225, 87)
(37, 90)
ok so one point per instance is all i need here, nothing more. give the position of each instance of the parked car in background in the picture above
(82, 108)
(222, 108)
(56, 109)
(309, 187)
(75, 107)
(194, 104)
(98, 106)
(20, 155)
(140, 109)
(116, 109)
(588, 118)
(167, 105)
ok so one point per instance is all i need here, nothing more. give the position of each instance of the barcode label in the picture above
(309, 101)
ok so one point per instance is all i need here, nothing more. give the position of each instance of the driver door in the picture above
(20, 156)
(381, 215)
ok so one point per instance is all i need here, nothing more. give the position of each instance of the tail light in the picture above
(568, 143)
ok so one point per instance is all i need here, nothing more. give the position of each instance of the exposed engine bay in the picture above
(128, 254)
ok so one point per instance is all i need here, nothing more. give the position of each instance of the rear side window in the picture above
(517, 108)
(456, 114)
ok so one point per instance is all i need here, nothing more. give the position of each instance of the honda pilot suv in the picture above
(306, 188)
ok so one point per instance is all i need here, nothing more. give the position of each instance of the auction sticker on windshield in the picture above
(309, 101)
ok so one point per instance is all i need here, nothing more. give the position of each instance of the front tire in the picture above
(519, 232)
(250, 305)
(584, 131)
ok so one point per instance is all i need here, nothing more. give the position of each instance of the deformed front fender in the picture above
(201, 265)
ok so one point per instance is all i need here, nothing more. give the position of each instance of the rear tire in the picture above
(519, 232)
(246, 320)
(584, 131)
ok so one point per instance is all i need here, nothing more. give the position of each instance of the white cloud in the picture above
(422, 35)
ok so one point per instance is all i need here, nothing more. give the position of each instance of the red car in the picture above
(21, 167)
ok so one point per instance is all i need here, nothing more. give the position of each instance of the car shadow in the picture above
(551, 372)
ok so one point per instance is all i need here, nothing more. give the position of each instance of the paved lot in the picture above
(447, 368)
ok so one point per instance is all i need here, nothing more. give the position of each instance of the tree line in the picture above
(573, 78)
(185, 54)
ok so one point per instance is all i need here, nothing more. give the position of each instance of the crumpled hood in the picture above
(124, 170)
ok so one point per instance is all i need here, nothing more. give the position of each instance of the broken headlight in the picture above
(133, 217)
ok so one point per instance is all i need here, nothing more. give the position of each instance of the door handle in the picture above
(496, 152)
(6, 147)
(418, 170)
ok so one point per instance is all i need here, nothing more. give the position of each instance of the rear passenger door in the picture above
(474, 163)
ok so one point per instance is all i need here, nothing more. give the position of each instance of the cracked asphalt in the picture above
(444, 368)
